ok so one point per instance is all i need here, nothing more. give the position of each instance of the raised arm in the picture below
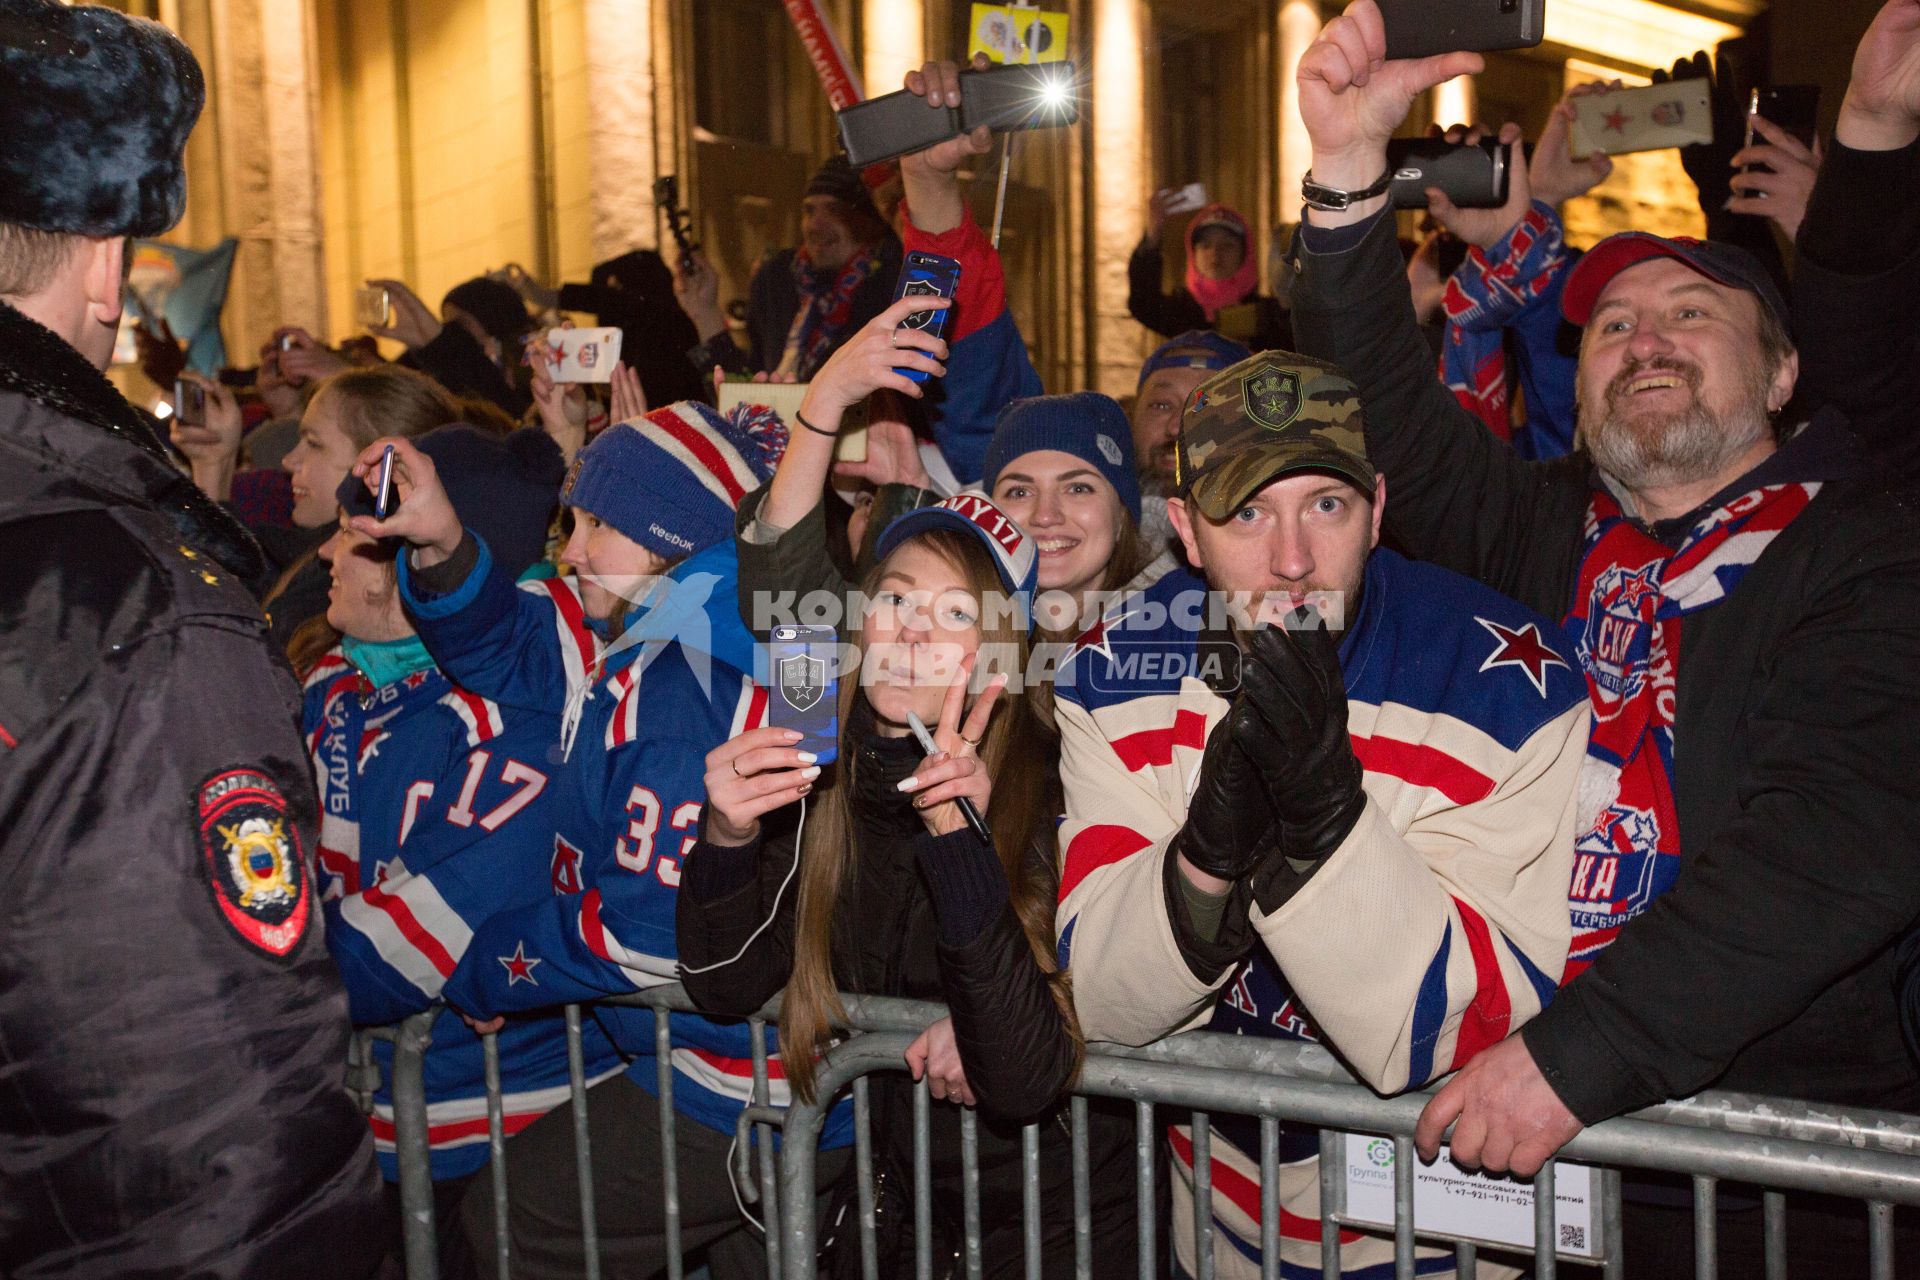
(1459, 497)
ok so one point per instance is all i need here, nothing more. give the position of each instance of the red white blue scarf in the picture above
(1632, 596)
(826, 309)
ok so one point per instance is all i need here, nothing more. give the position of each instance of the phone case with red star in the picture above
(1675, 114)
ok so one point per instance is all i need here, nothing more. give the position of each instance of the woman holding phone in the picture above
(873, 881)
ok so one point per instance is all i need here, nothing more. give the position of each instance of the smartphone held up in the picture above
(927, 275)
(1003, 99)
(373, 307)
(189, 403)
(803, 677)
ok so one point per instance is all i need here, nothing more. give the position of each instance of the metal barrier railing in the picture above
(1776, 1144)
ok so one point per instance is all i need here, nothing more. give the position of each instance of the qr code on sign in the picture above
(1572, 1237)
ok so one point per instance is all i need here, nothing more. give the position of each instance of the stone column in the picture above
(624, 143)
(263, 88)
(1118, 189)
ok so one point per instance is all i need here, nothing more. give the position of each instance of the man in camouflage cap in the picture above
(1284, 804)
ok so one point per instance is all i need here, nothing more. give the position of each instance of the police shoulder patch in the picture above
(254, 863)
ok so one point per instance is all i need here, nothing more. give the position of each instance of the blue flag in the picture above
(186, 287)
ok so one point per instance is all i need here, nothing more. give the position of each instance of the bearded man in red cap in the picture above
(1740, 587)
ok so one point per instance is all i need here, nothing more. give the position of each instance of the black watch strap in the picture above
(1334, 200)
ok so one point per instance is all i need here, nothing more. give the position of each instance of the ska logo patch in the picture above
(253, 860)
(1271, 396)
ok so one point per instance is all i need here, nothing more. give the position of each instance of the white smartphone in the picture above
(583, 355)
(785, 398)
(1650, 118)
(1188, 198)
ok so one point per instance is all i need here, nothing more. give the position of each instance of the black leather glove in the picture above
(1707, 163)
(1230, 825)
(1312, 778)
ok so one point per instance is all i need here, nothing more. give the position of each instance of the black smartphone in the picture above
(1472, 175)
(1420, 28)
(1002, 98)
(1794, 107)
(926, 275)
(804, 687)
(189, 403)
(1036, 96)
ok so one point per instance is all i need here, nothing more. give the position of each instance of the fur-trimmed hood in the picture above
(92, 448)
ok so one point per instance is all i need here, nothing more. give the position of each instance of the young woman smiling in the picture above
(880, 886)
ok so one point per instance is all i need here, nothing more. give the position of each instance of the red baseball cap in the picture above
(1721, 263)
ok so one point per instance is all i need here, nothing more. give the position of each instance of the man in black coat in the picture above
(1742, 594)
(805, 301)
(172, 1030)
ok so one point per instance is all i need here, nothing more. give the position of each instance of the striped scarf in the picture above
(826, 309)
(1625, 625)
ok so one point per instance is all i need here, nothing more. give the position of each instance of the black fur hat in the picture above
(97, 108)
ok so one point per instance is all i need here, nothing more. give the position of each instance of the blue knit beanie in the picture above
(671, 480)
(1086, 424)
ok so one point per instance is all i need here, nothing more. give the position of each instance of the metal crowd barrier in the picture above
(1776, 1144)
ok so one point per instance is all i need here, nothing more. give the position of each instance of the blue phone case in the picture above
(927, 275)
(803, 688)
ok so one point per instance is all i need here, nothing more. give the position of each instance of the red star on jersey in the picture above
(1616, 121)
(519, 967)
(417, 679)
(1638, 586)
(1524, 648)
(1096, 638)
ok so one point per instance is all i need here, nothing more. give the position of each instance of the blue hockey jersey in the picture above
(435, 814)
(629, 785)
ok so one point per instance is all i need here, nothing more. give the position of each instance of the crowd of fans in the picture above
(1476, 655)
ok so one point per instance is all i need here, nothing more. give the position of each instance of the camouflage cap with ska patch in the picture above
(1275, 413)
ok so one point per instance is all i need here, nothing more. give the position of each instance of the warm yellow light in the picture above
(1119, 186)
(894, 35)
(1299, 27)
(1637, 32)
(1453, 102)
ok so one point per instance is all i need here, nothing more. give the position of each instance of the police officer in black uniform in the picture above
(172, 1032)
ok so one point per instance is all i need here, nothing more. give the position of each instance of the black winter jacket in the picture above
(173, 1033)
(459, 363)
(1769, 966)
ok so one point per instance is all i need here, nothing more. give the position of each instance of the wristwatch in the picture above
(1334, 200)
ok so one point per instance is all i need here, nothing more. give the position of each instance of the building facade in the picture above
(432, 140)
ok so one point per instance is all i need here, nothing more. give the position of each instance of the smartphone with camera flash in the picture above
(1006, 98)
(803, 687)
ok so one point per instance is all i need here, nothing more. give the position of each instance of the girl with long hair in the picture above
(874, 882)
(345, 413)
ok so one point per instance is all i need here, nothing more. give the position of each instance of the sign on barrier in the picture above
(1451, 1202)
